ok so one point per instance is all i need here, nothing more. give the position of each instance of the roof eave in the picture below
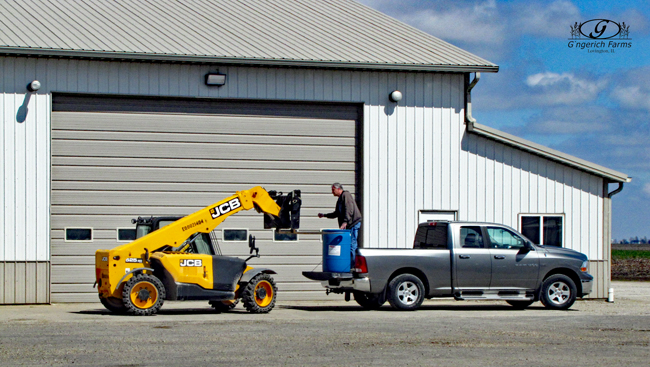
(569, 160)
(243, 61)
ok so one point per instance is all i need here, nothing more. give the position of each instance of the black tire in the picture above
(113, 304)
(369, 301)
(558, 292)
(259, 294)
(224, 306)
(520, 305)
(143, 295)
(405, 292)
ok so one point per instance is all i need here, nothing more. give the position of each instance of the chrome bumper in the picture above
(357, 284)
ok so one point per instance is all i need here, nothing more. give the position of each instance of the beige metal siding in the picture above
(24, 282)
(110, 167)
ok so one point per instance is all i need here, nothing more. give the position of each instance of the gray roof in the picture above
(315, 33)
(552, 154)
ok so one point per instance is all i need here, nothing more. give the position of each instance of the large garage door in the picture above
(114, 159)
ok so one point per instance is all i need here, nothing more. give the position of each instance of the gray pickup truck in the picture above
(467, 261)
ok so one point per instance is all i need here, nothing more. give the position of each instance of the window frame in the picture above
(117, 234)
(273, 232)
(541, 227)
(92, 235)
(223, 236)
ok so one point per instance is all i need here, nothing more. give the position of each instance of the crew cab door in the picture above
(515, 266)
(472, 260)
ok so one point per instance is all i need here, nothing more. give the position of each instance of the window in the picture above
(284, 237)
(235, 235)
(503, 238)
(78, 234)
(470, 237)
(543, 229)
(126, 234)
(431, 236)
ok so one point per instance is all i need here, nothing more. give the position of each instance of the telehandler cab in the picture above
(178, 262)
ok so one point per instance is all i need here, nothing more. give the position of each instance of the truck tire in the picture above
(369, 301)
(224, 306)
(405, 292)
(558, 292)
(259, 294)
(143, 295)
(113, 304)
(520, 305)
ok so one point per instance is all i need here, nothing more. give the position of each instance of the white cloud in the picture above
(546, 20)
(646, 189)
(632, 96)
(563, 89)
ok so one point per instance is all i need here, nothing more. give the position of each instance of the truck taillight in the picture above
(360, 265)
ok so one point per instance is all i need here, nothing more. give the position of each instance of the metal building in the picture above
(125, 125)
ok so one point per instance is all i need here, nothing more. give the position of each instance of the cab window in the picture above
(504, 239)
(470, 237)
(431, 236)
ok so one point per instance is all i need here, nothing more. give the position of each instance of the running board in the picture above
(494, 295)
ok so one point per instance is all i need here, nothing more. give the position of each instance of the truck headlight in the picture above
(585, 266)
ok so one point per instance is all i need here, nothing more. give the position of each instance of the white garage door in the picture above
(114, 159)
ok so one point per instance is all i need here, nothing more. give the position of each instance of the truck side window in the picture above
(431, 237)
(503, 238)
(470, 237)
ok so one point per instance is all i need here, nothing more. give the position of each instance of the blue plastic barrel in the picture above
(336, 250)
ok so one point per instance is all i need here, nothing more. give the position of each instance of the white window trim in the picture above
(117, 234)
(275, 241)
(541, 224)
(65, 235)
(223, 238)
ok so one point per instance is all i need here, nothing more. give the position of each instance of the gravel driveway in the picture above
(442, 333)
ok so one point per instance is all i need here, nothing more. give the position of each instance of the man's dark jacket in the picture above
(346, 211)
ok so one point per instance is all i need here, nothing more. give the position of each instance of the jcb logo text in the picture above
(224, 208)
(186, 262)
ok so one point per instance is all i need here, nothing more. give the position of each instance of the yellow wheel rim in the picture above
(266, 289)
(144, 295)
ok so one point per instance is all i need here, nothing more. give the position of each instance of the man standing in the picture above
(347, 213)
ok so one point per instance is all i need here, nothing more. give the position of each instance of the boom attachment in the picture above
(289, 216)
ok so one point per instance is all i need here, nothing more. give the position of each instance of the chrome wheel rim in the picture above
(559, 293)
(408, 293)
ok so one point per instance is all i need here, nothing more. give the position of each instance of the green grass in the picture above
(630, 254)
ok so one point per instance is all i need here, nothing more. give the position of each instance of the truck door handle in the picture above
(464, 256)
(499, 257)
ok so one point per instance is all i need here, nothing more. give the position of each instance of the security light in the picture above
(395, 96)
(34, 86)
(215, 79)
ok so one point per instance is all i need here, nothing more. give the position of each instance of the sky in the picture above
(594, 106)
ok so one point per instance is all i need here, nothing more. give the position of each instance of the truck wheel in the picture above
(143, 295)
(405, 292)
(558, 292)
(369, 301)
(224, 306)
(520, 305)
(113, 304)
(259, 294)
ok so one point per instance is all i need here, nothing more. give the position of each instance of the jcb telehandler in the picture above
(175, 261)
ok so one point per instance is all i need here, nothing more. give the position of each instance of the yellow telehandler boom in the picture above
(169, 264)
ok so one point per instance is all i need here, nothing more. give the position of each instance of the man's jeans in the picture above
(354, 231)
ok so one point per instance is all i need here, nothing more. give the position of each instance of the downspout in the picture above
(620, 188)
(469, 120)
(607, 291)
